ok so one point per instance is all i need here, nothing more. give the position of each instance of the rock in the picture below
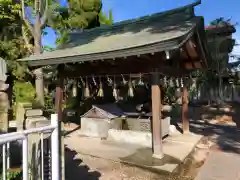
(179, 101)
(39, 121)
(226, 109)
(224, 118)
(34, 112)
(167, 108)
(201, 155)
(172, 129)
(178, 92)
(3, 87)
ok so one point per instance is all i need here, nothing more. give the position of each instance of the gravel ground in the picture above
(84, 167)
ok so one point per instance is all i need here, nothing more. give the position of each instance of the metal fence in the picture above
(6, 139)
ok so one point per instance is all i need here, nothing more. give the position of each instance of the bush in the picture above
(24, 92)
(13, 175)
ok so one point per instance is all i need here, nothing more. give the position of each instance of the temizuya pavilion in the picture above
(171, 43)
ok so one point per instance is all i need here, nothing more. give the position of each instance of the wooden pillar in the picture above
(156, 117)
(185, 119)
(59, 98)
(58, 110)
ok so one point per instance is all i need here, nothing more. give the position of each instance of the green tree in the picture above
(106, 19)
(37, 18)
(13, 47)
(220, 59)
(220, 22)
(77, 16)
(12, 44)
(48, 48)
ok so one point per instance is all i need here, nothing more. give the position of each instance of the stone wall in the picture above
(96, 127)
(144, 125)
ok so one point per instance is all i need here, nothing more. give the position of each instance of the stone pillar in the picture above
(35, 119)
(3, 112)
(20, 114)
(39, 86)
(156, 117)
(4, 106)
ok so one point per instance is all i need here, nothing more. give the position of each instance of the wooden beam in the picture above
(156, 117)
(185, 119)
(192, 56)
(129, 66)
(191, 50)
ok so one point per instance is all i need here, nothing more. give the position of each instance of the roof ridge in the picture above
(140, 19)
(103, 111)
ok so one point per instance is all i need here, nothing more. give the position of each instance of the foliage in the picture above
(24, 92)
(76, 16)
(36, 14)
(12, 44)
(48, 48)
(218, 66)
(220, 22)
(13, 175)
(106, 19)
(48, 102)
(169, 95)
(23, 23)
(79, 15)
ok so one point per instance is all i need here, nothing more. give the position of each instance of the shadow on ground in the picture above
(67, 132)
(75, 169)
(226, 138)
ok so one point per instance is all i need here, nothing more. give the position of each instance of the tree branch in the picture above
(25, 20)
(26, 40)
(45, 15)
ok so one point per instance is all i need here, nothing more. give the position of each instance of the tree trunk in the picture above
(38, 72)
(220, 93)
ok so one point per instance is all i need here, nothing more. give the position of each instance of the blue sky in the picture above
(128, 9)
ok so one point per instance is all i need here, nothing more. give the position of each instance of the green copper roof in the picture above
(154, 33)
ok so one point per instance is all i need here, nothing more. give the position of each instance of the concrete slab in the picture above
(189, 138)
(220, 166)
(175, 150)
(178, 150)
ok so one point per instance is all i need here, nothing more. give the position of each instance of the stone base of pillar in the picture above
(186, 132)
(158, 156)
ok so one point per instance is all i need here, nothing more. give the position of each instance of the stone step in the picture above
(34, 112)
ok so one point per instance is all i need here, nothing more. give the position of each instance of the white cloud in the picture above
(236, 49)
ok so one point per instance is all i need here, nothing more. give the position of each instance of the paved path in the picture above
(220, 166)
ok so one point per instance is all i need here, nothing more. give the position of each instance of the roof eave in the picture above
(145, 49)
(203, 44)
